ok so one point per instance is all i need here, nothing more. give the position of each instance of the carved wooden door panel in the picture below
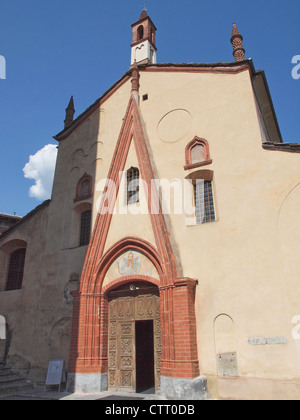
(121, 344)
(124, 312)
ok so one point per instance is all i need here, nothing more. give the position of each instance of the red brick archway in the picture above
(89, 351)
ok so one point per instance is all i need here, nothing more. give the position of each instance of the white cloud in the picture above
(40, 168)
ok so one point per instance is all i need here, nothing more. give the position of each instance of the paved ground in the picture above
(52, 395)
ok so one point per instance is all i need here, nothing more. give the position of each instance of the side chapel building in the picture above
(134, 293)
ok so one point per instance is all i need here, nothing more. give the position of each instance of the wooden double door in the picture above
(134, 339)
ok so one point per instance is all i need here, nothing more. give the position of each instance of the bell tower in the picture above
(143, 48)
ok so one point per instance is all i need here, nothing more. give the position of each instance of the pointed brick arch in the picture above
(89, 348)
(132, 130)
(128, 243)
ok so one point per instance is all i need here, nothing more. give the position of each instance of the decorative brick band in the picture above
(135, 78)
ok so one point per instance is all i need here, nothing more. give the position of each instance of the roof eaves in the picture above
(25, 218)
(282, 147)
(204, 65)
(64, 133)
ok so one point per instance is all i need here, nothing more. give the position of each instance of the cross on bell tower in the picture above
(143, 48)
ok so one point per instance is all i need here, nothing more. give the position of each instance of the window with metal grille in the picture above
(16, 270)
(85, 228)
(133, 190)
(204, 202)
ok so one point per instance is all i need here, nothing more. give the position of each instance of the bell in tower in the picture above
(143, 49)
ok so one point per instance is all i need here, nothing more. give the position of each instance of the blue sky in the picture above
(61, 48)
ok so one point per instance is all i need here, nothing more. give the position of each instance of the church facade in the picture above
(167, 257)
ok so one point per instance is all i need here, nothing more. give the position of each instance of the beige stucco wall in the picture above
(246, 262)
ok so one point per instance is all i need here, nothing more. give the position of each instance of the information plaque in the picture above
(56, 373)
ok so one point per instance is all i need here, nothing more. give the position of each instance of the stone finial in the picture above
(70, 111)
(237, 43)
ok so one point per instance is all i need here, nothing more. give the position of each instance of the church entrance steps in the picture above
(11, 382)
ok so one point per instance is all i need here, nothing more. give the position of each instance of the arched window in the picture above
(202, 197)
(197, 154)
(84, 188)
(133, 180)
(85, 228)
(140, 32)
(16, 270)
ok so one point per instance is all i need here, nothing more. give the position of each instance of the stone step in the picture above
(13, 386)
(10, 377)
(12, 382)
(4, 371)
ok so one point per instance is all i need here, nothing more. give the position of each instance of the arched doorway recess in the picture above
(90, 368)
(134, 338)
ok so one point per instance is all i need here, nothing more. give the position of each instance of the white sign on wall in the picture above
(56, 373)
